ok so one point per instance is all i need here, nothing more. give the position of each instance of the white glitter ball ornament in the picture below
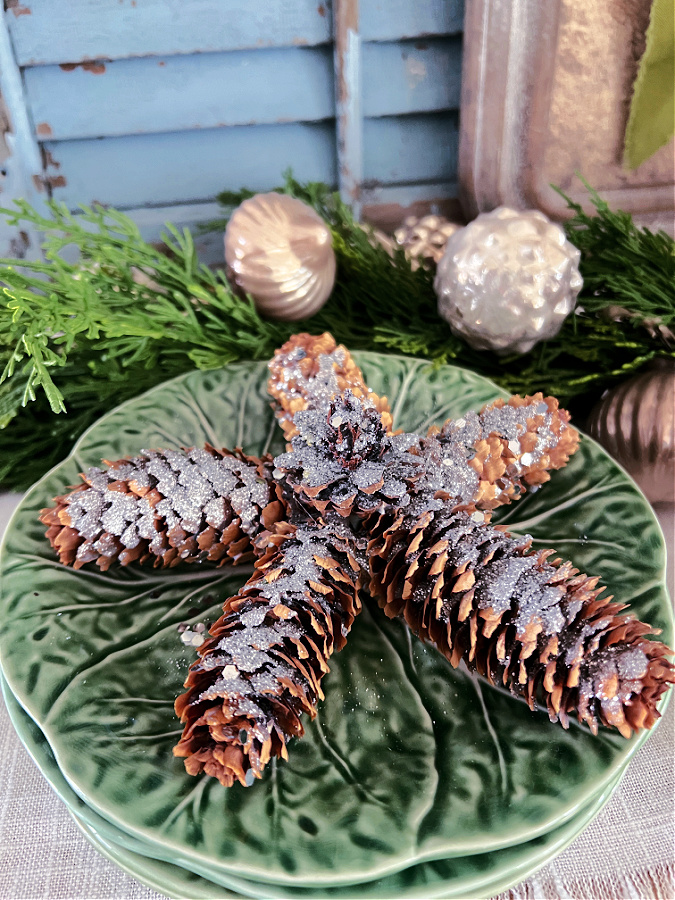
(508, 280)
(280, 252)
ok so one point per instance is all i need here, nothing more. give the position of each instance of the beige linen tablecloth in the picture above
(628, 852)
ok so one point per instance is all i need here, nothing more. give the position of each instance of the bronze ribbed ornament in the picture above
(635, 423)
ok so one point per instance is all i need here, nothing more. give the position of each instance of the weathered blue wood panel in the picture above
(178, 93)
(146, 170)
(184, 167)
(411, 76)
(49, 31)
(156, 105)
(410, 148)
(389, 20)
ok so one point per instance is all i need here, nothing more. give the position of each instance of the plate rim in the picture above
(524, 868)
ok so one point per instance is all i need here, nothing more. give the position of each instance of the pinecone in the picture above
(511, 446)
(514, 443)
(343, 460)
(424, 239)
(423, 503)
(166, 506)
(307, 371)
(480, 596)
(507, 446)
(262, 667)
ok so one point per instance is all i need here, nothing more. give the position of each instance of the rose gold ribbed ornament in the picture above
(635, 423)
(280, 252)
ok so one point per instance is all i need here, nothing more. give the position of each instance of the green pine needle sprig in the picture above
(76, 338)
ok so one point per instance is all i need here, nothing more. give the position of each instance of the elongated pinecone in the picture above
(512, 446)
(165, 506)
(262, 667)
(342, 458)
(480, 596)
(307, 371)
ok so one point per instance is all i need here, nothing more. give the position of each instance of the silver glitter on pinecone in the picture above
(164, 506)
(508, 280)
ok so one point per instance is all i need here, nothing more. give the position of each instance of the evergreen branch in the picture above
(84, 336)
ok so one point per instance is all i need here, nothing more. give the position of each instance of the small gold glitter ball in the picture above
(424, 239)
(280, 251)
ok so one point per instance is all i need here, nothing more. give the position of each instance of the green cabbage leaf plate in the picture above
(407, 761)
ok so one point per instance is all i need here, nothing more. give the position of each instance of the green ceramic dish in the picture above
(176, 882)
(480, 874)
(408, 759)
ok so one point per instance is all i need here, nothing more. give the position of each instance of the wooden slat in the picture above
(390, 20)
(411, 76)
(189, 166)
(56, 32)
(410, 149)
(193, 166)
(154, 94)
(177, 93)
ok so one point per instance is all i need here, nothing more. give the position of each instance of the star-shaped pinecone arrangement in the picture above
(353, 505)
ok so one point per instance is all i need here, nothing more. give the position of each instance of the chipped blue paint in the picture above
(180, 93)
(114, 29)
(117, 29)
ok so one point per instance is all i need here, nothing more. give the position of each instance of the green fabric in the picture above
(652, 113)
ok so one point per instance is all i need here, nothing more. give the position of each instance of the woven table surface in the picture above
(628, 852)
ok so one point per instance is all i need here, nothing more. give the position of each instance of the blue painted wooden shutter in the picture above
(154, 106)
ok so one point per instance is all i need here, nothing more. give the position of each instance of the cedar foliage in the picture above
(80, 337)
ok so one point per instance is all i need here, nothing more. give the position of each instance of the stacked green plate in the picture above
(415, 780)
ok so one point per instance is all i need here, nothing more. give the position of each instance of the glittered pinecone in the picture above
(511, 446)
(342, 459)
(424, 239)
(262, 667)
(165, 506)
(538, 628)
(309, 370)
